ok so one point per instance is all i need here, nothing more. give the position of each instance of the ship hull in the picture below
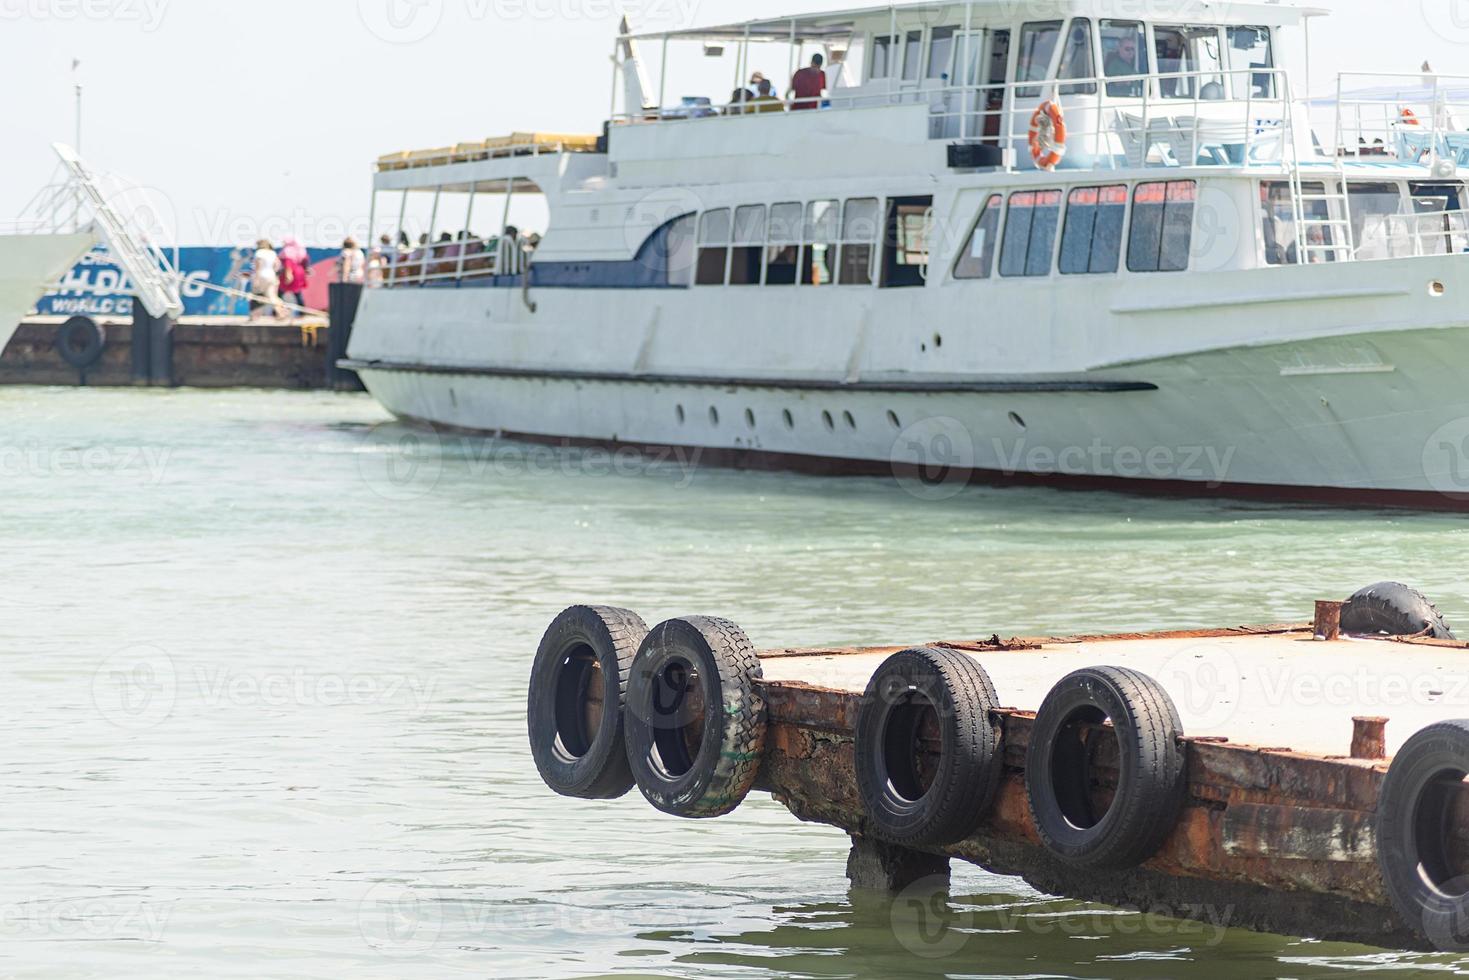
(30, 265)
(1369, 418)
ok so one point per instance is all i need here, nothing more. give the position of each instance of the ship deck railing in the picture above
(1104, 130)
(1108, 131)
(451, 263)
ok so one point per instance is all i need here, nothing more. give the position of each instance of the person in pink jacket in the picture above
(295, 271)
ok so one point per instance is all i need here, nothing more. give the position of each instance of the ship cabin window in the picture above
(912, 55)
(1162, 226)
(1278, 224)
(882, 57)
(860, 220)
(1374, 206)
(782, 251)
(941, 54)
(1124, 57)
(1187, 50)
(746, 258)
(978, 257)
(1249, 48)
(1076, 60)
(905, 243)
(1038, 41)
(1030, 233)
(713, 247)
(819, 242)
(1091, 242)
(1440, 224)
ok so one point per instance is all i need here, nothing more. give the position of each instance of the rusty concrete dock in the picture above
(1285, 741)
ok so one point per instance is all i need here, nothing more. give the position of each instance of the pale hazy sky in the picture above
(268, 114)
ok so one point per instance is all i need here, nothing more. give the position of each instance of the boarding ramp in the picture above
(155, 281)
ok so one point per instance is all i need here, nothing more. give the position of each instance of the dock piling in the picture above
(877, 866)
(1369, 738)
(1328, 619)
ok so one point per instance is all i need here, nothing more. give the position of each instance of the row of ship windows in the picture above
(835, 242)
(1158, 237)
(819, 243)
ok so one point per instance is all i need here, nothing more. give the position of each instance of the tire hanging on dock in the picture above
(1426, 879)
(80, 342)
(574, 714)
(1393, 609)
(917, 698)
(1066, 754)
(695, 721)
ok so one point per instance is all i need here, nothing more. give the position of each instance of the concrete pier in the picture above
(225, 352)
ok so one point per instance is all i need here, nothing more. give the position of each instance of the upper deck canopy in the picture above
(830, 25)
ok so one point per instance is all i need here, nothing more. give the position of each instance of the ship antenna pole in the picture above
(77, 85)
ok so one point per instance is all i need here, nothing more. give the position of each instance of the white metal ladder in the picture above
(1336, 243)
(155, 284)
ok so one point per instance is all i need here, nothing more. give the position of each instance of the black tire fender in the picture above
(1394, 609)
(914, 696)
(80, 342)
(1415, 812)
(695, 717)
(1150, 768)
(574, 713)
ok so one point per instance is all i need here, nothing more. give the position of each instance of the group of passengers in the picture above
(808, 86)
(277, 280)
(395, 262)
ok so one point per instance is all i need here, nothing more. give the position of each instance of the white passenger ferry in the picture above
(1036, 242)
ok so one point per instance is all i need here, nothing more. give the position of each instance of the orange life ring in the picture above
(1409, 117)
(1047, 135)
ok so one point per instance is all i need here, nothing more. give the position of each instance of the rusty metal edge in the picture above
(1038, 642)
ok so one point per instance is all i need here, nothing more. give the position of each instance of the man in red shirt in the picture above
(807, 85)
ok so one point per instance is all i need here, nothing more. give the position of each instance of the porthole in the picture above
(1018, 421)
(678, 411)
(1436, 288)
(893, 419)
(713, 415)
(750, 417)
(847, 418)
(826, 420)
(789, 419)
(938, 340)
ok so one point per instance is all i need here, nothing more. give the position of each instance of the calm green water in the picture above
(265, 678)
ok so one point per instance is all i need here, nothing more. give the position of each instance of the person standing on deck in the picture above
(295, 272)
(352, 263)
(380, 260)
(265, 280)
(807, 85)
